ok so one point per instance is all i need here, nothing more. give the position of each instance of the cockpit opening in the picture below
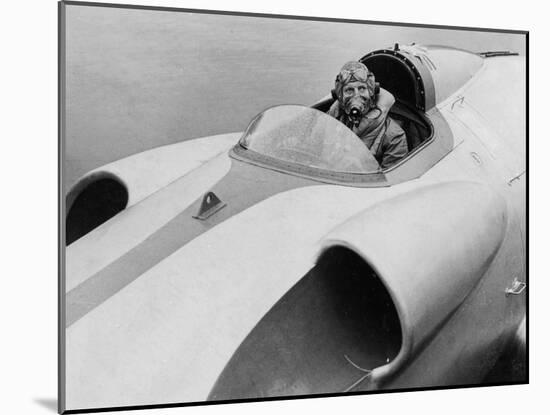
(412, 89)
(413, 122)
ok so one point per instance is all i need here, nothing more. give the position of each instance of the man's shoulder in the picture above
(393, 127)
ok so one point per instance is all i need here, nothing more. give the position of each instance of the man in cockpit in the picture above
(365, 112)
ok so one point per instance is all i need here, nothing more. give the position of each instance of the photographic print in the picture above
(261, 207)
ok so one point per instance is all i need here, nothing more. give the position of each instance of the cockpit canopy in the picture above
(309, 138)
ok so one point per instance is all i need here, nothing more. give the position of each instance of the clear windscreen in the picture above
(306, 136)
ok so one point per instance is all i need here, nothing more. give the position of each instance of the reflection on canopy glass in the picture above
(308, 137)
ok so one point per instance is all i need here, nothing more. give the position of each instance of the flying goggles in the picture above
(357, 74)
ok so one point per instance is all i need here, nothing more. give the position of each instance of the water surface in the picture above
(138, 79)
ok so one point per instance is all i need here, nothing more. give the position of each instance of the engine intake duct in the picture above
(93, 201)
(323, 336)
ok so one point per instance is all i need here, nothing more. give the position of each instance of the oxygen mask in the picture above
(356, 107)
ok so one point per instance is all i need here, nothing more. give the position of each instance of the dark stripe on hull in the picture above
(243, 187)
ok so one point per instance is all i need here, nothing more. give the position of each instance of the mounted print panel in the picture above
(267, 206)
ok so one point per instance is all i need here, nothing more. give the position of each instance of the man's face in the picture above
(355, 95)
(355, 88)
